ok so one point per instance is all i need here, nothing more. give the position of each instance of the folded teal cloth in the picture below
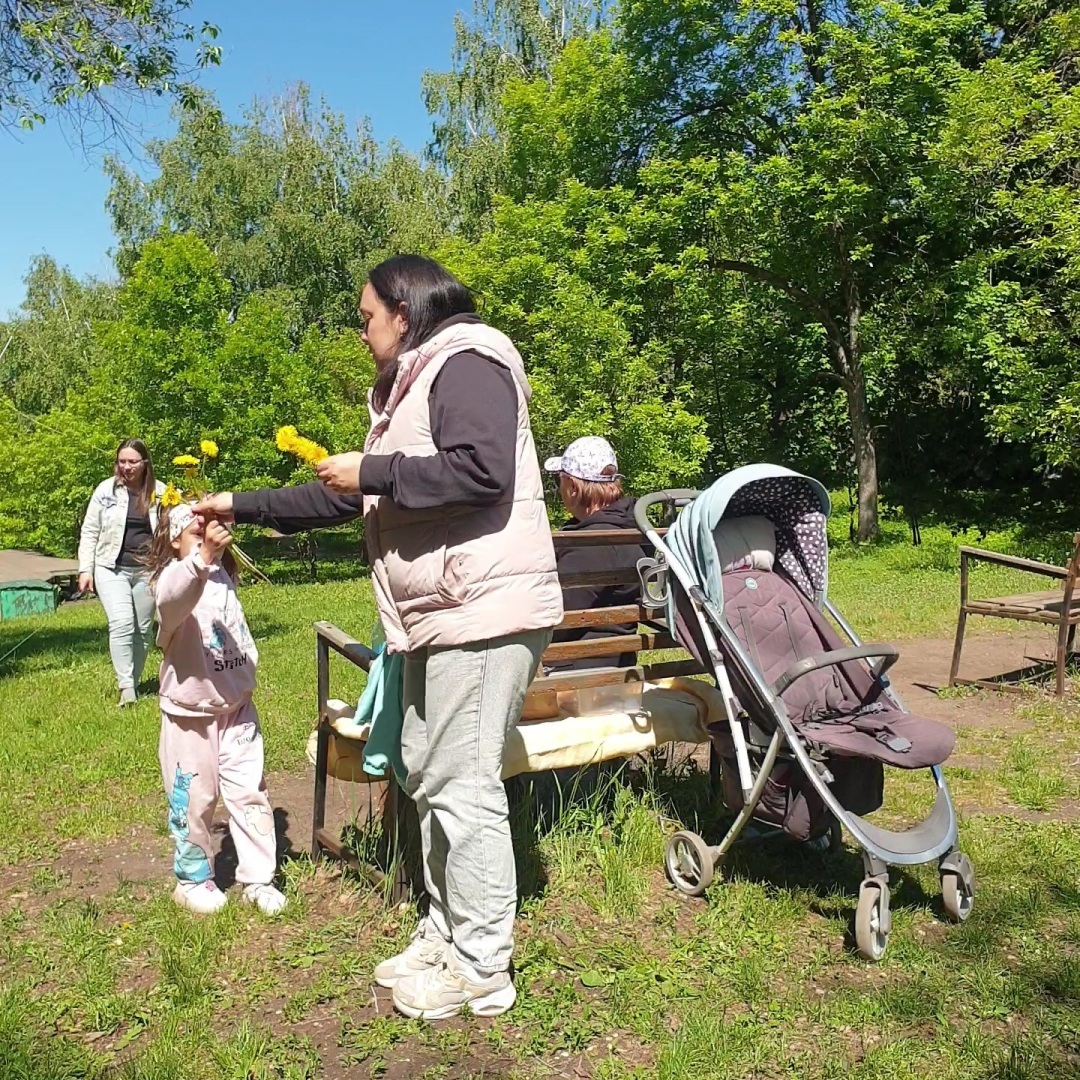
(380, 705)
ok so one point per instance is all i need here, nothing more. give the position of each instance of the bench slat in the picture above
(601, 538)
(563, 681)
(627, 613)
(608, 646)
(629, 576)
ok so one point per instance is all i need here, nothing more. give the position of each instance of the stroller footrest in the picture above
(922, 842)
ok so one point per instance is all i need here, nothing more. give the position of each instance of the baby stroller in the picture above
(811, 722)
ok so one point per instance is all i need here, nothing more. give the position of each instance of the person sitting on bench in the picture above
(591, 490)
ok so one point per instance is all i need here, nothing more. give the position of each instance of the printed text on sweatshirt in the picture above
(209, 660)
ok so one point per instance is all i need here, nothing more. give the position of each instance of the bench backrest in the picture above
(653, 635)
(541, 700)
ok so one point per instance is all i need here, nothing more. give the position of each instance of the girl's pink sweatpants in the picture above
(202, 757)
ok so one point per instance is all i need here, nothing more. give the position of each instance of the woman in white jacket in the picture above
(116, 533)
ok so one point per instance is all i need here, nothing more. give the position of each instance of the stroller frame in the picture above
(691, 862)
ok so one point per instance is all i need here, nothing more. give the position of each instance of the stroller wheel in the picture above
(689, 862)
(873, 920)
(957, 886)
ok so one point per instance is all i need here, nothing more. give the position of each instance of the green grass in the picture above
(78, 769)
(617, 976)
(892, 589)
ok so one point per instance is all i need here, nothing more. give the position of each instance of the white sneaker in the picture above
(202, 897)
(446, 991)
(421, 954)
(128, 697)
(266, 898)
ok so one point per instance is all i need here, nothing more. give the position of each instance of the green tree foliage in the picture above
(84, 58)
(181, 362)
(290, 198)
(789, 143)
(588, 374)
(844, 237)
(506, 41)
(1012, 146)
(45, 351)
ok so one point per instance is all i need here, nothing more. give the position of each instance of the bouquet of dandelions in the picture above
(289, 441)
(194, 485)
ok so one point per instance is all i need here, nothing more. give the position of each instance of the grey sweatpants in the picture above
(125, 595)
(459, 704)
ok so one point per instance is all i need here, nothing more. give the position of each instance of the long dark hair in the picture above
(146, 491)
(431, 295)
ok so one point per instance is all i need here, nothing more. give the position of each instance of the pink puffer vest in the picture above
(458, 575)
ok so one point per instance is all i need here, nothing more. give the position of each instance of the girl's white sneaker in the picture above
(202, 897)
(266, 898)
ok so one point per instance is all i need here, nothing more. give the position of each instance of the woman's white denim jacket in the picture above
(103, 527)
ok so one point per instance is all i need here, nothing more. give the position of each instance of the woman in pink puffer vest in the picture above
(463, 568)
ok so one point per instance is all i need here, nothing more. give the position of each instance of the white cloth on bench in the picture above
(672, 710)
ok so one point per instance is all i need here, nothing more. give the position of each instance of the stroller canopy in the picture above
(798, 507)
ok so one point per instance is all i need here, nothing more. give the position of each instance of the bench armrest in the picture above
(1033, 566)
(354, 651)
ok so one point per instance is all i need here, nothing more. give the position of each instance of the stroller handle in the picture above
(671, 495)
(887, 654)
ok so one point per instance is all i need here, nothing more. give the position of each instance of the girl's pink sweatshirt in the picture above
(210, 656)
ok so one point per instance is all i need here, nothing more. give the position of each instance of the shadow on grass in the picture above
(24, 648)
(47, 647)
(227, 861)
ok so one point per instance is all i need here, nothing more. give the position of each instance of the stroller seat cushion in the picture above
(889, 736)
(839, 708)
(745, 543)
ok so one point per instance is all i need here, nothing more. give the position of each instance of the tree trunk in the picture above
(862, 437)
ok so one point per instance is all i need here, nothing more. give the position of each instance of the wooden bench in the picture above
(1058, 607)
(653, 635)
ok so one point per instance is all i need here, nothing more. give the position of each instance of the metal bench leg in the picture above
(318, 810)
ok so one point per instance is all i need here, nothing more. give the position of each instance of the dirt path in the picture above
(923, 669)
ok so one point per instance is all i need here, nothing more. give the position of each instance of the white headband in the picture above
(180, 517)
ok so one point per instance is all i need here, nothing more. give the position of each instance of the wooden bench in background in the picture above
(1058, 607)
(653, 635)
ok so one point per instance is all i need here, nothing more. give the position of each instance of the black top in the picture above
(137, 535)
(619, 515)
(473, 410)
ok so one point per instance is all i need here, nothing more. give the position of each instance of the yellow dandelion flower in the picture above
(289, 441)
(209, 448)
(171, 497)
(188, 460)
(311, 453)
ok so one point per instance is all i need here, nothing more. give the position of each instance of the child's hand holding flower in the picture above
(341, 472)
(216, 538)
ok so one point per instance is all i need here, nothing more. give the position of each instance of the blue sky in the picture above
(365, 57)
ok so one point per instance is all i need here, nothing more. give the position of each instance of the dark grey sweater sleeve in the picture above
(296, 509)
(473, 409)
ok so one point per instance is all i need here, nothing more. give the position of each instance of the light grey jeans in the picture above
(129, 605)
(459, 704)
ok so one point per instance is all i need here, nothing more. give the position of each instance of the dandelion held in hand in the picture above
(195, 485)
(289, 441)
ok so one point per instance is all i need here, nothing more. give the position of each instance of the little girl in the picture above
(210, 738)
